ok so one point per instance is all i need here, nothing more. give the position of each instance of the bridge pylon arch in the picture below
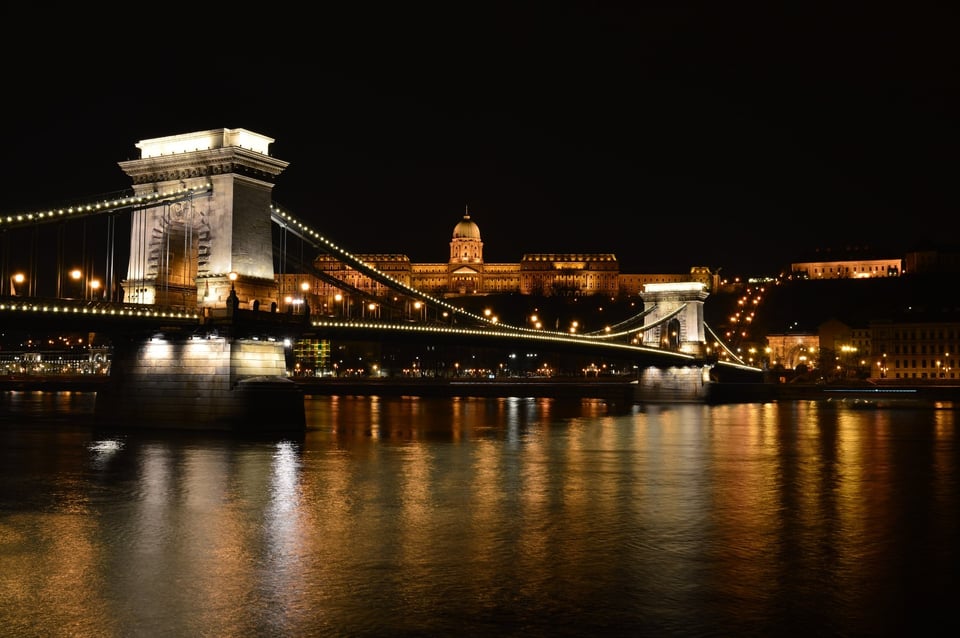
(184, 253)
(675, 316)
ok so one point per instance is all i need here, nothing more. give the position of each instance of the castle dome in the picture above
(466, 228)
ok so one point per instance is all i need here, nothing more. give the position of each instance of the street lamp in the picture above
(17, 280)
(304, 289)
(94, 288)
(233, 302)
(76, 275)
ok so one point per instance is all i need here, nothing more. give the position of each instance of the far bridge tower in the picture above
(676, 319)
(675, 322)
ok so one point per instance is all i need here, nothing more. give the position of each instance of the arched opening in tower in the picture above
(673, 334)
(177, 267)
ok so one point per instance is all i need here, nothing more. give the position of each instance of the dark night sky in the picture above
(672, 136)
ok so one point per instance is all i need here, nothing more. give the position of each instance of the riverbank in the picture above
(622, 389)
(53, 383)
(615, 389)
(871, 394)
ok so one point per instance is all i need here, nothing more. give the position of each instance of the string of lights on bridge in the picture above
(128, 312)
(604, 337)
(281, 216)
(309, 234)
(600, 338)
(135, 201)
(79, 210)
(305, 232)
(533, 335)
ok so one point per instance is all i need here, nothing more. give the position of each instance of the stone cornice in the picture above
(204, 163)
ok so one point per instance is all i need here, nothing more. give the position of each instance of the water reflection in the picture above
(408, 516)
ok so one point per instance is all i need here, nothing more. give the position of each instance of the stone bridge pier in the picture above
(675, 322)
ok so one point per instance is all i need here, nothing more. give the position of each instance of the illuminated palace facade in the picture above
(848, 269)
(466, 273)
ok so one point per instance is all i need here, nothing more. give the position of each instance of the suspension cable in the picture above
(5, 265)
(109, 262)
(34, 269)
(60, 262)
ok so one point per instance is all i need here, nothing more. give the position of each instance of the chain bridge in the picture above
(190, 275)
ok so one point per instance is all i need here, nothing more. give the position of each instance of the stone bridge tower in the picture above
(192, 252)
(675, 322)
(676, 317)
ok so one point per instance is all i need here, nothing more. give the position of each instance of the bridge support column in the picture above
(217, 383)
(675, 316)
(689, 384)
(181, 253)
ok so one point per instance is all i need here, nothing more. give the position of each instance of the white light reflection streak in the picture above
(102, 451)
(284, 487)
(284, 542)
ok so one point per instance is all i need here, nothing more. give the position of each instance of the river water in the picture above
(462, 517)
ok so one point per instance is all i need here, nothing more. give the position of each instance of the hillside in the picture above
(804, 305)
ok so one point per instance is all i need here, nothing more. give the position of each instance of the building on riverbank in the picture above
(466, 273)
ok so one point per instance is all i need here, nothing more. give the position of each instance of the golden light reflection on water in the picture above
(423, 516)
(50, 566)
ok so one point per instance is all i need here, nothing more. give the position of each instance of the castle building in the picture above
(848, 269)
(465, 273)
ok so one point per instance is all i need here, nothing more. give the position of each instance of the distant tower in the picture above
(465, 271)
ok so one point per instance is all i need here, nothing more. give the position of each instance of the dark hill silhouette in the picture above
(804, 305)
